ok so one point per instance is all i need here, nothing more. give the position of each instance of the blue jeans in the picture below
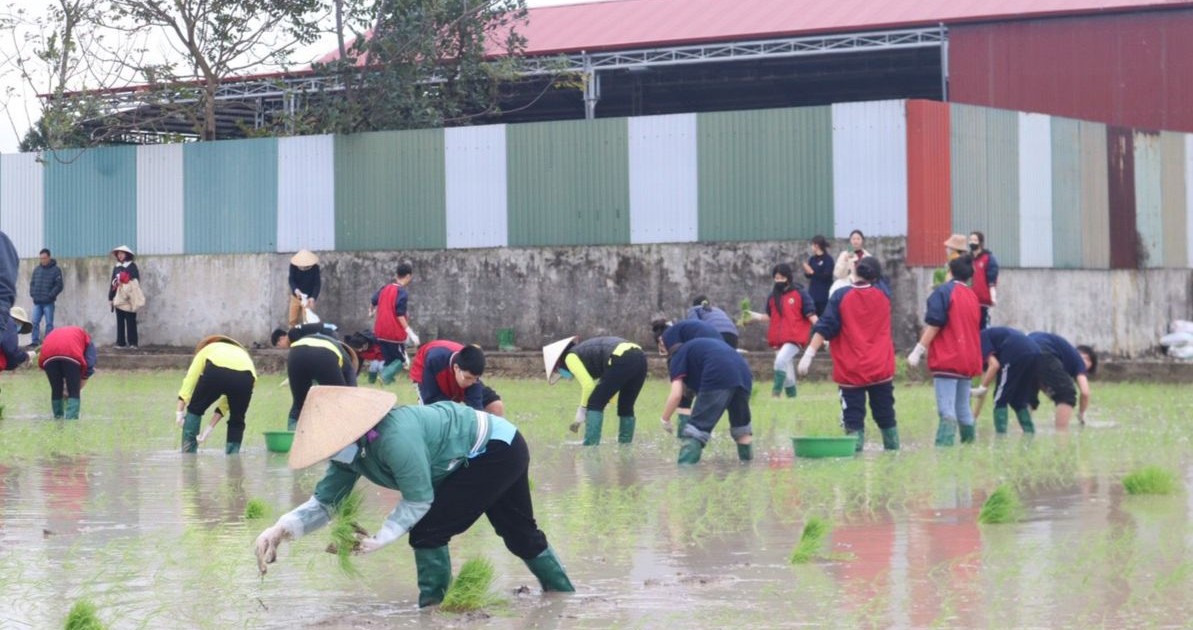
(952, 399)
(39, 311)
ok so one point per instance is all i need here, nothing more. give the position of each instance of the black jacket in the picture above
(8, 276)
(595, 353)
(46, 283)
(307, 281)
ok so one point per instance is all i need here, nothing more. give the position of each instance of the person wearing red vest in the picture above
(952, 340)
(447, 370)
(858, 322)
(791, 312)
(391, 325)
(985, 275)
(68, 359)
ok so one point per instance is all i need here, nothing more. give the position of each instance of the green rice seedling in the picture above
(472, 588)
(345, 531)
(811, 542)
(1003, 506)
(1150, 480)
(744, 317)
(256, 508)
(82, 616)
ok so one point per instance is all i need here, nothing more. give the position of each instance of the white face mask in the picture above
(347, 454)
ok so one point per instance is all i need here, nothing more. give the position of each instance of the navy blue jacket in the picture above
(821, 278)
(9, 261)
(1009, 345)
(686, 330)
(714, 317)
(708, 365)
(1060, 348)
(46, 283)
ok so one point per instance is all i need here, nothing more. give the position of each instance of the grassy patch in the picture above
(82, 616)
(811, 542)
(472, 588)
(1003, 506)
(1150, 480)
(256, 508)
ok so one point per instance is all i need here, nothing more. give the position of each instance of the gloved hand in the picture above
(977, 392)
(805, 362)
(388, 533)
(756, 316)
(33, 354)
(179, 417)
(267, 544)
(412, 338)
(579, 421)
(667, 428)
(993, 296)
(913, 359)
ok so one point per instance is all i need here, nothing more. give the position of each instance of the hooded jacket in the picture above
(46, 283)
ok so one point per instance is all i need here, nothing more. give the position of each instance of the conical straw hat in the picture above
(334, 417)
(122, 248)
(304, 258)
(19, 315)
(551, 355)
(210, 339)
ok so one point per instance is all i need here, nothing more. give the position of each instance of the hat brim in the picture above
(552, 353)
(123, 248)
(304, 258)
(18, 315)
(210, 339)
(334, 417)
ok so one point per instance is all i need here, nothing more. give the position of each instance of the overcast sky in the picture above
(19, 99)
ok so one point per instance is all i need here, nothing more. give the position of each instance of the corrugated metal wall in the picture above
(22, 202)
(91, 201)
(1035, 190)
(1095, 196)
(1173, 189)
(476, 196)
(929, 182)
(160, 199)
(306, 193)
(1120, 168)
(230, 190)
(985, 177)
(1067, 177)
(869, 168)
(569, 183)
(1149, 198)
(1189, 198)
(664, 203)
(766, 175)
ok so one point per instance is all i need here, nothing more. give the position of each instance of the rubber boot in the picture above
(745, 452)
(625, 429)
(1000, 420)
(777, 388)
(434, 568)
(190, 433)
(291, 423)
(72, 409)
(56, 406)
(689, 451)
(390, 371)
(1024, 417)
(231, 448)
(593, 419)
(683, 422)
(372, 377)
(790, 391)
(550, 572)
(945, 431)
(890, 439)
(861, 439)
(968, 433)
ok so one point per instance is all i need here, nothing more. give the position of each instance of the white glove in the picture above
(756, 317)
(388, 533)
(206, 432)
(412, 338)
(179, 417)
(805, 362)
(580, 414)
(33, 354)
(977, 392)
(667, 428)
(913, 359)
(266, 546)
(993, 296)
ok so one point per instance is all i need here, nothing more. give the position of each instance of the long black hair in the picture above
(776, 295)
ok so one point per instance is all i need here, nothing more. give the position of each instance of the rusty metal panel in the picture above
(1174, 189)
(929, 182)
(1120, 168)
(1067, 249)
(1149, 198)
(1035, 190)
(870, 168)
(1095, 196)
(22, 202)
(160, 199)
(985, 177)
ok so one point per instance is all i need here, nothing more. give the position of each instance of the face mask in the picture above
(779, 286)
(565, 375)
(346, 454)
(973, 247)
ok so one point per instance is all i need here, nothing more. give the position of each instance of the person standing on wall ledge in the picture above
(9, 263)
(44, 287)
(603, 366)
(391, 324)
(68, 359)
(305, 283)
(125, 296)
(819, 272)
(222, 373)
(985, 275)
(847, 260)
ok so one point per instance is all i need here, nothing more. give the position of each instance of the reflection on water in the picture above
(161, 539)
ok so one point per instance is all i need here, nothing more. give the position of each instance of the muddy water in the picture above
(158, 540)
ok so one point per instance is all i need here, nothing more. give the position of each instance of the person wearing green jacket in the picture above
(222, 373)
(451, 464)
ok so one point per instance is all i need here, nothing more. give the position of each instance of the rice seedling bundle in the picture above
(1150, 480)
(471, 590)
(811, 542)
(1003, 506)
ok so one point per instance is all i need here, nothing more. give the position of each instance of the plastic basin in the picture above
(836, 446)
(279, 441)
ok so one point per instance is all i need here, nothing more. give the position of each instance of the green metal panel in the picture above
(1066, 193)
(391, 191)
(985, 177)
(230, 192)
(1173, 187)
(765, 175)
(1095, 196)
(90, 201)
(569, 183)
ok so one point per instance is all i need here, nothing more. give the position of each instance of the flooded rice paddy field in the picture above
(106, 509)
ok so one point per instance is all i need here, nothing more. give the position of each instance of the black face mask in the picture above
(973, 247)
(780, 287)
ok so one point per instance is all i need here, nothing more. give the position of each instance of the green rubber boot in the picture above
(550, 572)
(625, 429)
(434, 568)
(790, 391)
(890, 439)
(56, 406)
(968, 433)
(777, 388)
(390, 371)
(72, 409)
(682, 422)
(231, 448)
(372, 377)
(1024, 417)
(593, 420)
(291, 423)
(1000, 420)
(945, 431)
(745, 452)
(861, 439)
(689, 451)
(190, 433)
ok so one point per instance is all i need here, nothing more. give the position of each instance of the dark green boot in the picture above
(550, 572)
(56, 406)
(861, 439)
(231, 448)
(190, 433)
(1000, 420)
(372, 377)
(689, 451)
(390, 371)
(291, 423)
(945, 432)
(625, 429)
(777, 388)
(968, 433)
(1024, 417)
(790, 391)
(593, 420)
(72, 409)
(683, 422)
(434, 567)
(745, 452)
(890, 439)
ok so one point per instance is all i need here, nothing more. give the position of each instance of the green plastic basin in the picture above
(836, 446)
(279, 441)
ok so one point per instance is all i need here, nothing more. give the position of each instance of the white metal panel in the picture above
(1149, 197)
(475, 177)
(1189, 196)
(870, 168)
(664, 189)
(22, 202)
(1035, 190)
(306, 193)
(160, 199)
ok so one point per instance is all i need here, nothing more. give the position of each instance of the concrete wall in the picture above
(548, 293)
